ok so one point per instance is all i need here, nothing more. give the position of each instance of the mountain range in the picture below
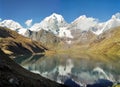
(84, 31)
(56, 24)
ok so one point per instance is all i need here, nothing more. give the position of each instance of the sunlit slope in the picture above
(108, 42)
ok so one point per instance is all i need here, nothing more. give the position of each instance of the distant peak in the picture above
(8, 20)
(116, 16)
(82, 16)
(56, 16)
(85, 17)
(10, 24)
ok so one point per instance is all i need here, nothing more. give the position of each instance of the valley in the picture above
(84, 34)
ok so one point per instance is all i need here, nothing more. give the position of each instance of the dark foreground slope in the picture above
(13, 75)
(13, 43)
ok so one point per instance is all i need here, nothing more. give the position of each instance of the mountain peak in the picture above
(82, 17)
(84, 23)
(55, 16)
(51, 23)
(10, 24)
(116, 16)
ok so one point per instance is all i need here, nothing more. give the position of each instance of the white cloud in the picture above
(28, 22)
(0, 19)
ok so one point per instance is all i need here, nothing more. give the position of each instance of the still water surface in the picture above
(81, 68)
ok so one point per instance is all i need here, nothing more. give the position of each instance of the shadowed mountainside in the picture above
(14, 44)
(13, 75)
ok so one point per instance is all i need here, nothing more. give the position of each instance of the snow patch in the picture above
(35, 71)
(36, 27)
(28, 22)
(65, 33)
(22, 31)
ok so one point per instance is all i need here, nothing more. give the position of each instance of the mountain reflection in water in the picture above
(85, 69)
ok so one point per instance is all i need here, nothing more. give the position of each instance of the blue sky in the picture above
(22, 10)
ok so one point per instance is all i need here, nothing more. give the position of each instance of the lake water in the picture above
(80, 68)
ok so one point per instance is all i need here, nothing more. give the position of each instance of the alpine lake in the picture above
(82, 68)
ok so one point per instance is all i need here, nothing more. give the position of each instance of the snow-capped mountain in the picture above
(113, 22)
(13, 25)
(52, 23)
(84, 23)
(56, 24)
(10, 24)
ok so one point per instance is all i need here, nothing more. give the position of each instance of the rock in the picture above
(101, 83)
(14, 81)
(69, 82)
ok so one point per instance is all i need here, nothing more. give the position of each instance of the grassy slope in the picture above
(109, 45)
(14, 44)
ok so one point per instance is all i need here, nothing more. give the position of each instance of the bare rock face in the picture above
(13, 75)
(82, 37)
(47, 38)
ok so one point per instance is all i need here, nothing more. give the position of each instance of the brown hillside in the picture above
(107, 43)
(14, 44)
